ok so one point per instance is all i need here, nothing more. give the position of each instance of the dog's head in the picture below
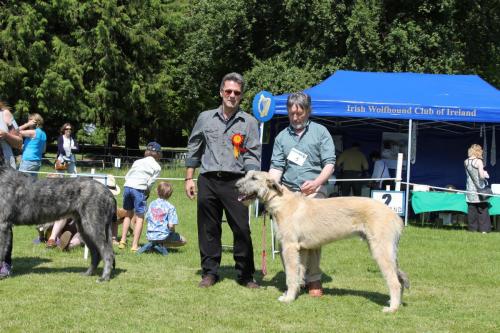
(257, 184)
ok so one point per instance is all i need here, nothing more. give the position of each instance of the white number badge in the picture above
(297, 157)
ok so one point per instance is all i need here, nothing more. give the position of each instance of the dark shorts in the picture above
(135, 200)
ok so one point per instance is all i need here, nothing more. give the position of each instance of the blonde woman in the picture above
(35, 141)
(477, 209)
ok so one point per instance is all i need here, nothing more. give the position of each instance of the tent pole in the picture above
(408, 159)
(261, 139)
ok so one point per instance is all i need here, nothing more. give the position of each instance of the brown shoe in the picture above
(314, 289)
(207, 281)
(64, 240)
(51, 244)
(251, 284)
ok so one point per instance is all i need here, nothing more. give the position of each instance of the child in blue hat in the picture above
(138, 183)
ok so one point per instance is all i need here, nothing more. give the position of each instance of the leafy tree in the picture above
(478, 27)
(217, 43)
(130, 48)
(277, 76)
(149, 67)
(106, 62)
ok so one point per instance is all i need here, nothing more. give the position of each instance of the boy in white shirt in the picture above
(138, 183)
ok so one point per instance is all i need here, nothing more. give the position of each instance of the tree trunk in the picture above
(112, 137)
(131, 137)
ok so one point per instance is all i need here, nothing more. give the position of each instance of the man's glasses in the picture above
(228, 92)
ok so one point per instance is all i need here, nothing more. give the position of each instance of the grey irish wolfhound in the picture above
(306, 223)
(25, 201)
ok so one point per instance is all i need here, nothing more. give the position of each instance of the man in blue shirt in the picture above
(303, 159)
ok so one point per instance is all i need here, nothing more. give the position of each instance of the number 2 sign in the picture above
(394, 199)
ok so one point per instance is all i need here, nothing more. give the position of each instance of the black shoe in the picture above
(207, 281)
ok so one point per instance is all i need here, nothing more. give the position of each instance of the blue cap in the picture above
(154, 146)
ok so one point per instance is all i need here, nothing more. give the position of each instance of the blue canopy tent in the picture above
(450, 111)
(436, 97)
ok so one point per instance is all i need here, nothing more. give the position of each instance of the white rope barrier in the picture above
(364, 179)
(92, 175)
(445, 189)
(105, 175)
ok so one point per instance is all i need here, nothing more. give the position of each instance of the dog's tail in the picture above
(402, 276)
(109, 227)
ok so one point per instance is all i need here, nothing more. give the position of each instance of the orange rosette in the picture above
(237, 140)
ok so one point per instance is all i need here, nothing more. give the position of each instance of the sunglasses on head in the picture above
(228, 92)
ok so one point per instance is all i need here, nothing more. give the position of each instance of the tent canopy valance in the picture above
(399, 96)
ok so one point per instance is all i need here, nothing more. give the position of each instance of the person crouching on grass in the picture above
(138, 183)
(162, 219)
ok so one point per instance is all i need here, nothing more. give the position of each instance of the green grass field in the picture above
(454, 276)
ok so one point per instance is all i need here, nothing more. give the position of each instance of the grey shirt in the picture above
(316, 143)
(210, 143)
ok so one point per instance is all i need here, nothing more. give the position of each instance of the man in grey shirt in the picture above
(9, 138)
(303, 159)
(225, 144)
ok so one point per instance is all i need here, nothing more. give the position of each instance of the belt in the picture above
(223, 175)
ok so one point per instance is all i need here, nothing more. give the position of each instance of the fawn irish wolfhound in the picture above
(306, 223)
(25, 201)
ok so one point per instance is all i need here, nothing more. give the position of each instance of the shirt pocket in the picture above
(212, 135)
(237, 129)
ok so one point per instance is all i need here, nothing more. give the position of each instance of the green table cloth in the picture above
(423, 202)
(438, 201)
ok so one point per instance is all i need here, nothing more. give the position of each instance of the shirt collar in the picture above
(220, 114)
(291, 130)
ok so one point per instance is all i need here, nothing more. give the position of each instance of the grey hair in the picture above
(236, 77)
(301, 99)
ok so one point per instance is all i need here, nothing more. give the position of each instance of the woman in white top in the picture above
(67, 147)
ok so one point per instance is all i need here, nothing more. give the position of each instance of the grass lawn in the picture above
(454, 276)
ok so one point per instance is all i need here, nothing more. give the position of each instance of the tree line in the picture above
(144, 69)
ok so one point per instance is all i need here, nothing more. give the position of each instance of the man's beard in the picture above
(299, 127)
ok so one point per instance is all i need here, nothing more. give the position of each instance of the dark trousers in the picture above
(345, 187)
(215, 195)
(478, 218)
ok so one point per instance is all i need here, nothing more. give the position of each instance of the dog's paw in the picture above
(285, 298)
(388, 309)
(101, 279)
(86, 273)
